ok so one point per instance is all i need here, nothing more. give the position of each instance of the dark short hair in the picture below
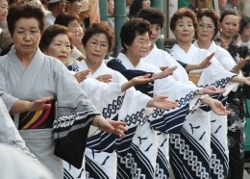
(17, 12)
(99, 28)
(179, 14)
(65, 19)
(152, 15)
(244, 22)
(135, 7)
(131, 28)
(211, 14)
(228, 12)
(50, 33)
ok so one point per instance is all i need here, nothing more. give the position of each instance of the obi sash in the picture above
(38, 119)
(194, 77)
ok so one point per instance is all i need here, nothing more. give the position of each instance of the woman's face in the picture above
(59, 48)
(156, 30)
(140, 46)
(246, 31)
(184, 30)
(73, 26)
(229, 25)
(78, 40)
(146, 3)
(205, 29)
(222, 3)
(75, 6)
(26, 36)
(111, 7)
(3, 10)
(96, 48)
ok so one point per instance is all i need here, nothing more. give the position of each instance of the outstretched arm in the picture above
(204, 64)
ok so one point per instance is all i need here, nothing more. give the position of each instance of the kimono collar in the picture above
(212, 48)
(181, 55)
(35, 62)
(127, 63)
(152, 54)
(99, 71)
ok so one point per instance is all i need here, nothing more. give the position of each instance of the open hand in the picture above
(80, 76)
(162, 102)
(211, 90)
(142, 79)
(111, 126)
(166, 71)
(106, 78)
(216, 106)
(205, 63)
(241, 63)
(39, 104)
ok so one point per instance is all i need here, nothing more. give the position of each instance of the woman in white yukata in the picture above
(139, 160)
(207, 28)
(162, 59)
(100, 156)
(195, 137)
(32, 82)
(55, 42)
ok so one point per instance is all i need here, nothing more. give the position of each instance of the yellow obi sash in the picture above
(194, 77)
(37, 119)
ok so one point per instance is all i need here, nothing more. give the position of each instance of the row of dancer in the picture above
(32, 82)
(138, 152)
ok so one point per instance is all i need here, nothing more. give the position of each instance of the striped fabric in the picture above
(38, 119)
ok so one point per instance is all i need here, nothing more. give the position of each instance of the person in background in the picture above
(84, 14)
(137, 5)
(73, 6)
(111, 13)
(245, 31)
(229, 25)
(72, 22)
(80, 45)
(231, 4)
(193, 6)
(56, 7)
(221, 4)
(128, 4)
(30, 91)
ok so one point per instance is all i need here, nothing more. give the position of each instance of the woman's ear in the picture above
(127, 47)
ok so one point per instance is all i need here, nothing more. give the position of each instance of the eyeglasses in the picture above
(208, 27)
(144, 43)
(102, 46)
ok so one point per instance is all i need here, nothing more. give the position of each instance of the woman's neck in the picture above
(25, 59)
(92, 66)
(132, 59)
(228, 40)
(203, 44)
(185, 46)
